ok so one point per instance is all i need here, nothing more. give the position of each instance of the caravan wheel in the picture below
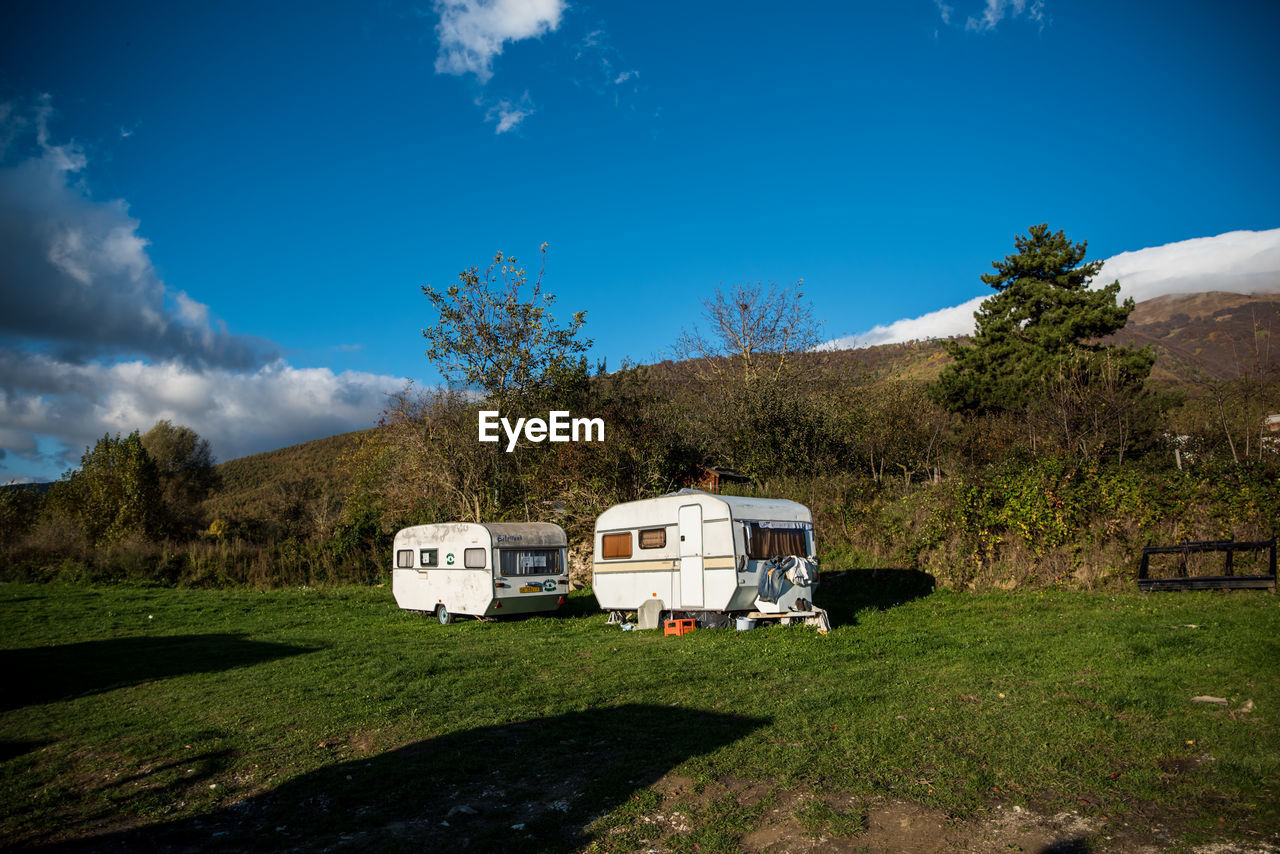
(443, 615)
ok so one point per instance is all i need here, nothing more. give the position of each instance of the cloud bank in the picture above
(93, 342)
(76, 273)
(238, 412)
(1243, 262)
(943, 323)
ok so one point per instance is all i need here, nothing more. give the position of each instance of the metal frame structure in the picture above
(1228, 580)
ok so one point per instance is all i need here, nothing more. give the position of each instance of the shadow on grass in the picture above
(849, 591)
(14, 749)
(581, 603)
(45, 674)
(535, 785)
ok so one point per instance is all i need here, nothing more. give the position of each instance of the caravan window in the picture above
(653, 538)
(428, 557)
(767, 540)
(473, 559)
(615, 546)
(404, 559)
(529, 561)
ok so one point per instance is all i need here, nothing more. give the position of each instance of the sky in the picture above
(223, 214)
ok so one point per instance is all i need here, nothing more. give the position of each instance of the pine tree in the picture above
(1043, 318)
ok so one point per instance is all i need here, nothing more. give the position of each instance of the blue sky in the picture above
(273, 185)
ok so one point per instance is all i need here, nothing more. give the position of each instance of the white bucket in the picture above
(745, 624)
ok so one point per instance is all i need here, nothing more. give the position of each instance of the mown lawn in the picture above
(316, 718)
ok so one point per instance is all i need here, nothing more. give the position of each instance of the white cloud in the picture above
(943, 323)
(508, 119)
(1242, 262)
(508, 115)
(995, 11)
(238, 412)
(625, 76)
(473, 32)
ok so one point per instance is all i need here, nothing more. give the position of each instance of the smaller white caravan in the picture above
(707, 556)
(480, 569)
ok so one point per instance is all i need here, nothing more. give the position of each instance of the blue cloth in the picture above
(773, 580)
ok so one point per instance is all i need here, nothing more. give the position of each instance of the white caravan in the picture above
(480, 569)
(702, 554)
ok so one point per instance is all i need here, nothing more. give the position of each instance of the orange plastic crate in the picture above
(679, 627)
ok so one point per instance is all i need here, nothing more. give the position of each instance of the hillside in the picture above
(266, 481)
(1202, 336)
(1196, 337)
(910, 360)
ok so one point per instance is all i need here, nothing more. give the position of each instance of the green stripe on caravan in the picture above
(557, 427)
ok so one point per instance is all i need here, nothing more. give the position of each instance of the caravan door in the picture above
(691, 556)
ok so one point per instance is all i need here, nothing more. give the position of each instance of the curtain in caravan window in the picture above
(764, 543)
(615, 546)
(653, 538)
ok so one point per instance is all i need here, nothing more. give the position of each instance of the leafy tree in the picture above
(489, 335)
(185, 465)
(115, 494)
(19, 508)
(1042, 319)
(781, 432)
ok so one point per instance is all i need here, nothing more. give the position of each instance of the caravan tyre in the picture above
(443, 615)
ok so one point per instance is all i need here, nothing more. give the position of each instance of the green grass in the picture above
(321, 717)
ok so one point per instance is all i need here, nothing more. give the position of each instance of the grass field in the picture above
(184, 719)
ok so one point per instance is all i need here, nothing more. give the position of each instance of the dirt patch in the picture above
(797, 820)
(908, 828)
(808, 822)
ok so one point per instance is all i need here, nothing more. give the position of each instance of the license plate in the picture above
(533, 589)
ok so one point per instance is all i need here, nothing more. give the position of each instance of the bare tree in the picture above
(1092, 404)
(425, 461)
(753, 333)
(1238, 407)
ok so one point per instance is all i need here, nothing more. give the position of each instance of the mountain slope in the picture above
(1206, 336)
(257, 486)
